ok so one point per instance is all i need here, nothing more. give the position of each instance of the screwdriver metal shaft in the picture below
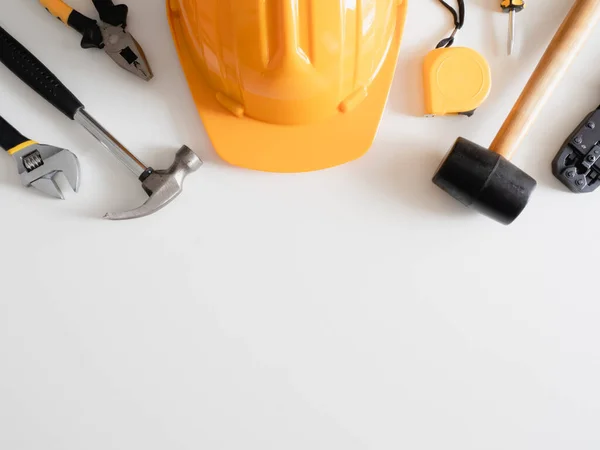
(511, 32)
(512, 7)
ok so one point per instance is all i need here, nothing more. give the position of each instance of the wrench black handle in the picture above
(10, 136)
(38, 77)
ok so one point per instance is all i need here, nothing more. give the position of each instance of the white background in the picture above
(354, 308)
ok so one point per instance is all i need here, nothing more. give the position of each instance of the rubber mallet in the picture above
(486, 179)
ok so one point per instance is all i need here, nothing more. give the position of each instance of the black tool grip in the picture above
(37, 76)
(9, 136)
(88, 28)
(112, 14)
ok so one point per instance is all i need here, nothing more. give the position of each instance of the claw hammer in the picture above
(161, 186)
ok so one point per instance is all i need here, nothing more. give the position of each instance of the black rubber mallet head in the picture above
(486, 179)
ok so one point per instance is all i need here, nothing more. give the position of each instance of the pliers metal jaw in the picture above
(111, 34)
(125, 51)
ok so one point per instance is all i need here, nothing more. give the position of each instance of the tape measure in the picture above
(457, 80)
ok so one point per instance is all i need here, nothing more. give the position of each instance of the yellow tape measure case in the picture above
(457, 80)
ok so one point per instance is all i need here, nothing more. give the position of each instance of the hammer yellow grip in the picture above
(58, 9)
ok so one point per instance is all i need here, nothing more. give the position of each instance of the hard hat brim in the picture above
(252, 144)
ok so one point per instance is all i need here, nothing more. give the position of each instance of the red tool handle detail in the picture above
(38, 77)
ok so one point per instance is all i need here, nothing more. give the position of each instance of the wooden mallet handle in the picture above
(565, 46)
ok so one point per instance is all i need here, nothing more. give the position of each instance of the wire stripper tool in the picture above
(577, 164)
(111, 34)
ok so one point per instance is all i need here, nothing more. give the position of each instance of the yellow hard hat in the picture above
(289, 85)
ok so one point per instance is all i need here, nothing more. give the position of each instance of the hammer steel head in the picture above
(484, 180)
(40, 165)
(163, 186)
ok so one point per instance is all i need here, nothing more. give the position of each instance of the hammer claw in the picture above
(153, 204)
(163, 186)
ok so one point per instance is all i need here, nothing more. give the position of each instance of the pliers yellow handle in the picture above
(58, 9)
(88, 28)
(109, 12)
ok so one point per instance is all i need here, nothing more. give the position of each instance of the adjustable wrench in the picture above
(39, 165)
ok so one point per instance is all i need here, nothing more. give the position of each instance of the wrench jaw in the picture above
(163, 186)
(39, 166)
(48, 185)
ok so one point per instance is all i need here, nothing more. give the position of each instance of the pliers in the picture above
(111, 34)
(39, 165)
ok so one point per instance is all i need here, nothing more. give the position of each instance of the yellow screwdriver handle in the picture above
(58, 9)
(516, 5)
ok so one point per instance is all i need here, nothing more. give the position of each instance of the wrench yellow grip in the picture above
(20, 147)
(58, 9)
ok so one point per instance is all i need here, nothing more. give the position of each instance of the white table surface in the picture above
(353, 308)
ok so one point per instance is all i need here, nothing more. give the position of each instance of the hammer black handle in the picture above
(38, 77)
